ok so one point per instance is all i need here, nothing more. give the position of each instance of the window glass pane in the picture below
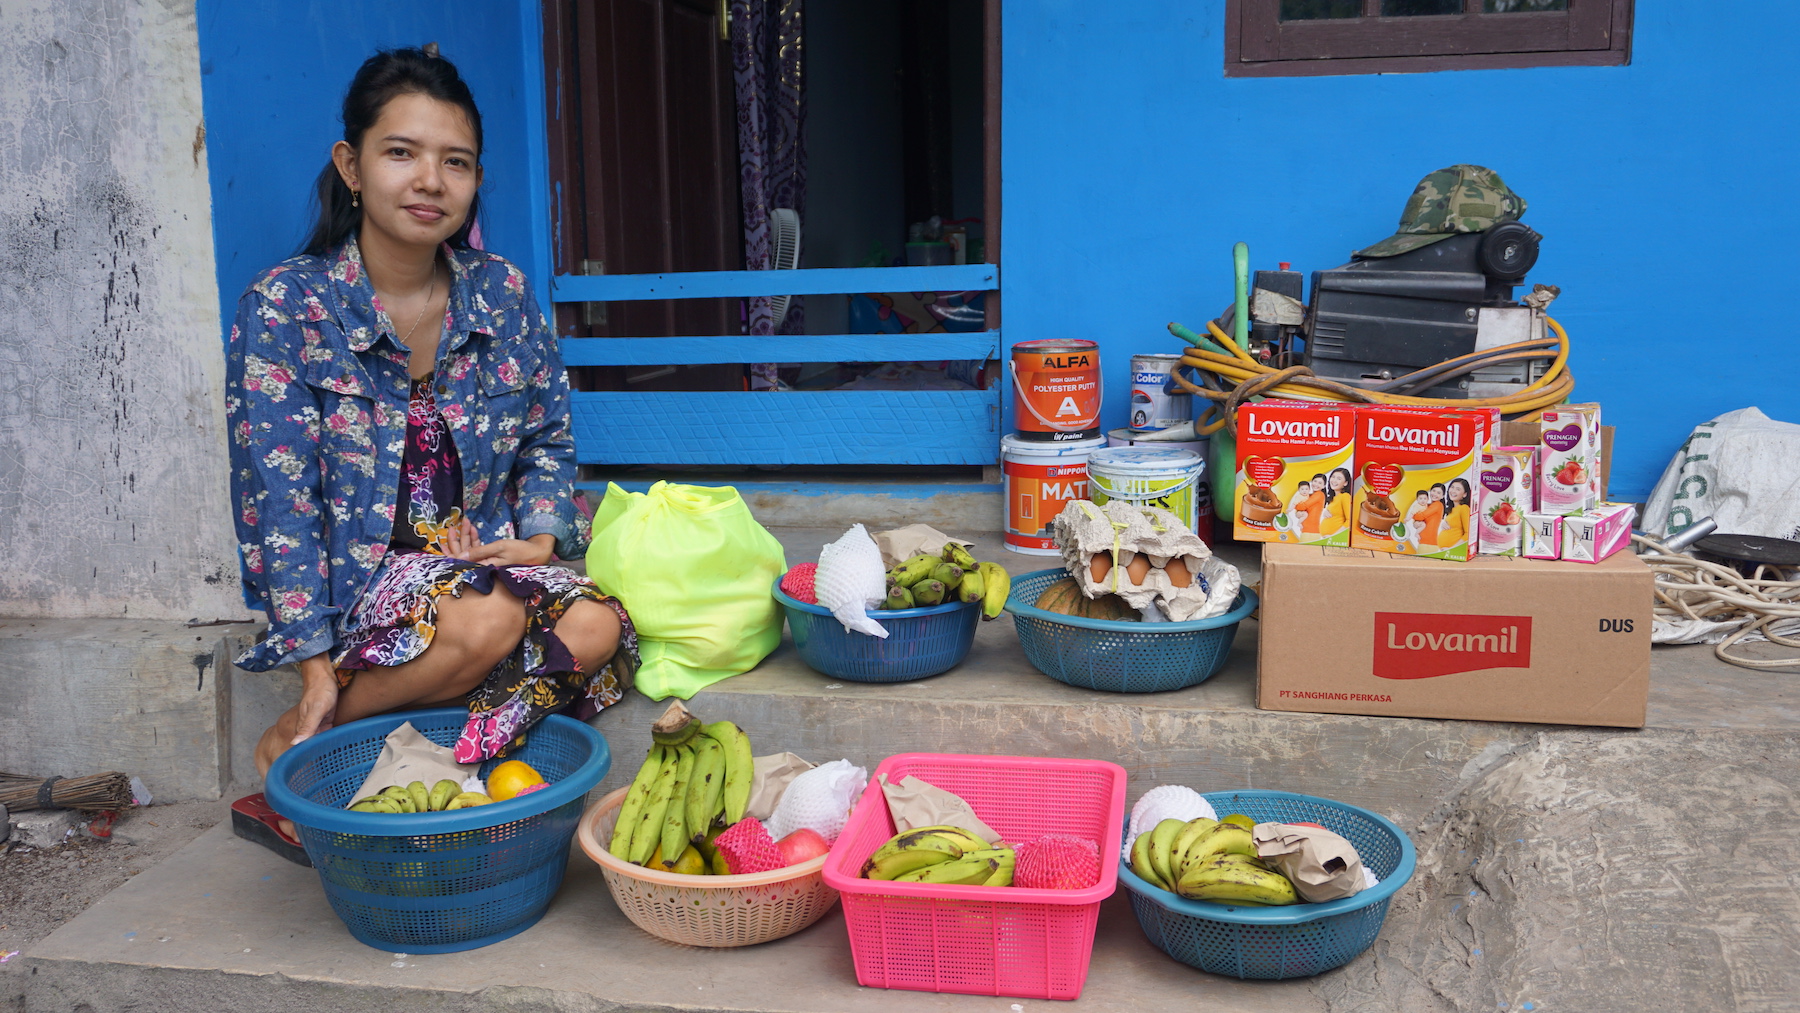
(1315, 10)
(1408, 8)
(1508, 6)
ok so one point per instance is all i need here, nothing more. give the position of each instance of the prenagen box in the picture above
(1505, 496)
(1416, 472)
(1569, 459)
(1592, 536)
(1294, 479)
(1542, 535)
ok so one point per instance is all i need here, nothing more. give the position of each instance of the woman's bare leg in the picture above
(474, 633)
(591, 632)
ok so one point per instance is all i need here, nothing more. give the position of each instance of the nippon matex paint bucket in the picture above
(1040, 479)
(1203, 506)
(1156, 403)
(1150, 476)
(1056, 390)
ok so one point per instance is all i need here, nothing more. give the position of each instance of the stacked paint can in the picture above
(1156, 403)
(1157, 475)
(1057, 453)
(1056, 407)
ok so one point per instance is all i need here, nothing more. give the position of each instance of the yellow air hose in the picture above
(1242, 378)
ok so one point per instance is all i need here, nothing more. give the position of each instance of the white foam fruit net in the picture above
(1165, 802)
(819, 800)
(851, 579)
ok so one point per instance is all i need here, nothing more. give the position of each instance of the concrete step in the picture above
(226, 925)
(957, 499)
(150, 698)
(1571, 868)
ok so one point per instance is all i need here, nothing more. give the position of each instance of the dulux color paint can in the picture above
(1154, 407)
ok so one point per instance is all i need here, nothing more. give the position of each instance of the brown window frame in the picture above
(1593, 33)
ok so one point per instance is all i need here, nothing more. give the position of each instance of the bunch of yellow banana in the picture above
(952, 575)
(1212, 860)
(949, 856)
(694, 782)
(414, 798)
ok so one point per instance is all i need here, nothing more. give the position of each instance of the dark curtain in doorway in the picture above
(769, 65)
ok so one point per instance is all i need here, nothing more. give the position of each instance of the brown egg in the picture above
(1138, 568)
(1098, 567)
(1178, 572)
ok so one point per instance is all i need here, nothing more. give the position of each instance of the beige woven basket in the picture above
(706, 910)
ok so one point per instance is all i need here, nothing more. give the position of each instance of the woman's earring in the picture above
(355, 198)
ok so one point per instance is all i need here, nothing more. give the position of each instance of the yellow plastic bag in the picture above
(694, 570)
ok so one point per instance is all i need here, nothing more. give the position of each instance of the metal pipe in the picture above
(1687, 536)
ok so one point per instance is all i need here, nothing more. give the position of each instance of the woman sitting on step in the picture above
(401, 462)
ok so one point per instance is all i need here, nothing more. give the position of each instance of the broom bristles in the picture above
(94, 792)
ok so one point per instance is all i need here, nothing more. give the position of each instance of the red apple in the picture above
(801, 846)
(1298, 823)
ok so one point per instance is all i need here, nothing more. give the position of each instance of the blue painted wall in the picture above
(1661, 188)
(273, 76)
(1131, 164)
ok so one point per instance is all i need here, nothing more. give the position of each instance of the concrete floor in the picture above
(1560, 868)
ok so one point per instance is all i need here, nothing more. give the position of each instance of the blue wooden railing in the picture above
(782, 427)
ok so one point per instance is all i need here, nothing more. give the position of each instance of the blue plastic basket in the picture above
(920, 642)
(1293, 941)
(436, 882)
(1120, 657)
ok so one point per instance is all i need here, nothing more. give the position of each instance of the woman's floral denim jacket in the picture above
(316, 391)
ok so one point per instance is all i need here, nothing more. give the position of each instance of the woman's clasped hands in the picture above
(462, 541)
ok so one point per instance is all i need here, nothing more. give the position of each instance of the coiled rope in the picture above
(1697, 589)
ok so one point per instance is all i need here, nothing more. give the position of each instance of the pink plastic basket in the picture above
(982, 940)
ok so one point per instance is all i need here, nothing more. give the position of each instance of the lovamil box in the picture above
(1294, 479)
(1416, 474)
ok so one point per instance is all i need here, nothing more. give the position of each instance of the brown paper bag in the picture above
(901, 544)
(408, 756)
(769, 778)
(913, 803)
(1321, 865)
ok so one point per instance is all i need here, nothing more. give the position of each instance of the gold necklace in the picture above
(430, 290)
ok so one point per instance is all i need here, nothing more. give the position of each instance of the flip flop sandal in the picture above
(253, 820)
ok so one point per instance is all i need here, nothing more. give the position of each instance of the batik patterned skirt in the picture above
(395, 620)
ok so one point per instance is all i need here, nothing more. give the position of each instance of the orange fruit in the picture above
(510, 778)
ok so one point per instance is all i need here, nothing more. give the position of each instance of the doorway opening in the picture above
(893, 160)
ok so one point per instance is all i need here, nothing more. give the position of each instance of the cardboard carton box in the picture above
(1350, 631)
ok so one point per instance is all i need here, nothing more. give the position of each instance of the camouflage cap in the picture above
(1462, 198)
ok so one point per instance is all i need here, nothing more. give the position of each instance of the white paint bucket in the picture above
(1150, 475)
(1040, 478)
(1203, 493)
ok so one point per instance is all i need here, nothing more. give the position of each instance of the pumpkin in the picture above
(1065, 598)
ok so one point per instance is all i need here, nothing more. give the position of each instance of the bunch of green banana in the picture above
(1205, 859)
(695, 776)
(945, 855)
(414, 798)
(950, 576)
(1236, 879)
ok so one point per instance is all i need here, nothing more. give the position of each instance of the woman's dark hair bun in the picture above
(382, 78)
